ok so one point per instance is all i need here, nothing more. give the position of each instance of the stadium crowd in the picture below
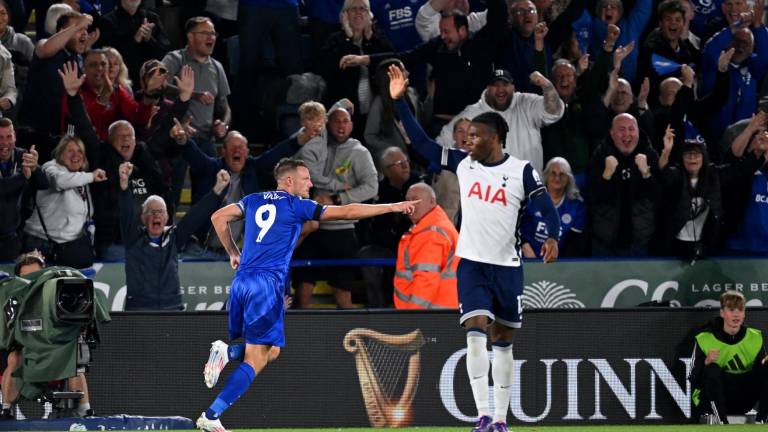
(646, 120)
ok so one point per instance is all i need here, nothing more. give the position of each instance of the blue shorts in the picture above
(490, 290)
(257, 308)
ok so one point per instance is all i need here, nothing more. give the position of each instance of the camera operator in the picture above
(26, 264)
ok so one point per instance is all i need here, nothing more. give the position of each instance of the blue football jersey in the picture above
(533, 228)
(397, 18)
(752, 235)
(273, 222)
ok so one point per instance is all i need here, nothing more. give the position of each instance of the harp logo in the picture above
(388, 367)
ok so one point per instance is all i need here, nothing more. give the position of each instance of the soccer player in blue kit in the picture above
(273, 221)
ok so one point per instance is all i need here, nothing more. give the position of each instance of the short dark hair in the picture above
(459, 18)
(194, 21)
(64, 19)
(96, 51)
(5, 122)
(285, 165)
(496, 122)
(670, 6)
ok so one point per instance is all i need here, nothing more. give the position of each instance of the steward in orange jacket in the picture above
(425, 277)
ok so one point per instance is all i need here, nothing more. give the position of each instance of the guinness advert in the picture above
(390, 369)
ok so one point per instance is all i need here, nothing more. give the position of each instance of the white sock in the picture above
(83, 408)
(502, 381)
(477, 369)
(7, 405)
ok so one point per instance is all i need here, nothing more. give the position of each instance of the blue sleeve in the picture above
(528, 229)
(423, 144)
(716, 44)
(639, 17)
(197, 217)
(539, 198)
(308, 209)
(531, 181)
(267, 160)
(198, 161)
(597, 31)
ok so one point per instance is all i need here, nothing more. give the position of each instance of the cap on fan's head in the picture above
(150, 66)
(693, 140)
(501, 75)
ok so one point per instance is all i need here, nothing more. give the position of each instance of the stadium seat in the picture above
(287, 120)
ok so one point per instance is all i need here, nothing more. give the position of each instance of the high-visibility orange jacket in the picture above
(425, 277)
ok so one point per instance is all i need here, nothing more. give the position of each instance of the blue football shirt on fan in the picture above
(397, 18)
(533, 227)
(752, 235)
(706, 12)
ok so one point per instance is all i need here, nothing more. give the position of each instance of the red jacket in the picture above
(121, 106)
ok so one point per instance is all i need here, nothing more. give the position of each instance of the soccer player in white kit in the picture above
(494, 187)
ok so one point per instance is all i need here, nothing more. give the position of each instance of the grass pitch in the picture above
(527, 428)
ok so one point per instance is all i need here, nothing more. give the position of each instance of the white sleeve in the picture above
(428, 22)
(8, 81)
(62, 179)
(477, 20)
(539, 115)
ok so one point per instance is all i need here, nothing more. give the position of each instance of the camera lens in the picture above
(74, 299)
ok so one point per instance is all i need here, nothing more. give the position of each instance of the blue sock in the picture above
(236, 352)
(237, 384)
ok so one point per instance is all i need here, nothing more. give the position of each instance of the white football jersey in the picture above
(491, 197)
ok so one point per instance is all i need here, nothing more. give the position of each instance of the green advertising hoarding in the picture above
(565, 284)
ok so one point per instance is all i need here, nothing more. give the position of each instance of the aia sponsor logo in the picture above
(488, 194)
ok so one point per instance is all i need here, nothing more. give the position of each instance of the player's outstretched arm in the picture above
(362, 211)
(220, 220)
(424, 145)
